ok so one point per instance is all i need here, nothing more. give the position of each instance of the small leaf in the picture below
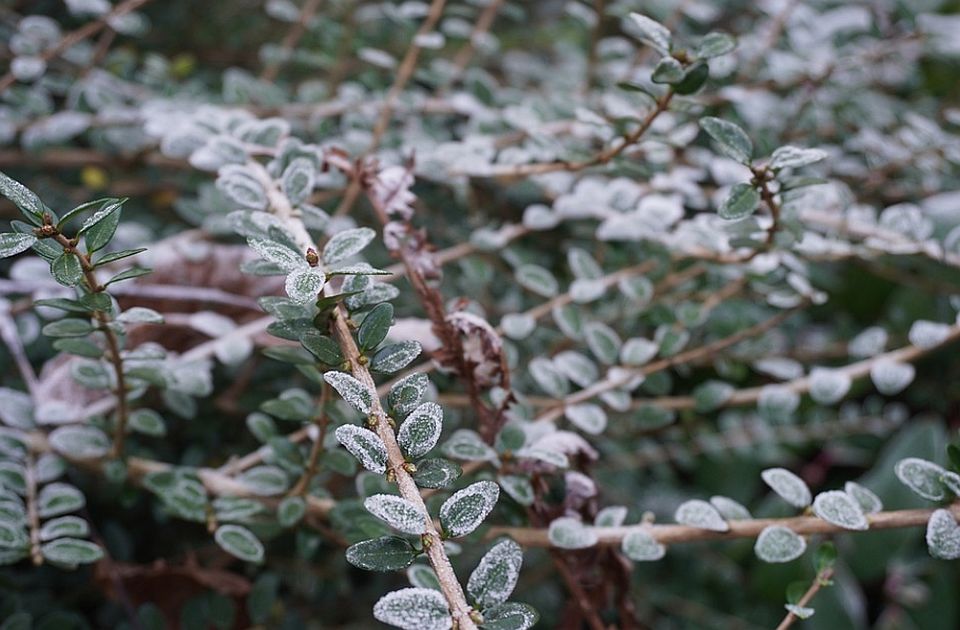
(742, 201)
(100, 227)
(346, 243)
(828, 385)
(72, 526)
(921, 476)
(397, 512)
(779, 544)
(467, 445)
(668, 70)
(304, 285)
(279, 254)
(353, 391)
(926, 334)
(697, 513)
(67, 270)
(375, 326)
(69, 327)
(790, 487)
(715, 44)
(406, 394)
(12, 244)
(869, 502)
(496, 575)
(22, 197)
(729, 509)
(518, 487)
(943, 535)
(241, 186)
(420, 432)
(840, 509)
(422, 576)
(80, 442)
(510, 616)
(465, 510)
(550, 379)
(568, 532)
(324, 348)
(587, 417)
(71, 551)
(436, 473)
(147, 422)
(291, 510)
(603, 342)
(388, 553)
(538, 280)
(395, 357)
(610, 516)
(794, 157)
(298, 180)
(414, 609)
(652, 32)
(891, 377)
(730, 139)
(239, 542)
(641, 546)
(58, 498)
(365, 445)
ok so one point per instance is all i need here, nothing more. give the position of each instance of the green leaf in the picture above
(397, 512)
(639, 545)
(68, 327)
(115, 256)
(147, 422)
(73, 526)
(650, 31)
(715, 44)
(414, 609)
(71, 551)
(742, 201)
(80, 441)
(346, 243)
(465, 509)
(375, 326)
(67, 270)
(730, 139)
(134, 272)
(510, 616)
(81, 208)
(12, 243)
(239, 542)
(496, 576)
(388, 553)
(669, 70)
(304, 284)
(436, 473)
(825, 557)
(365, 445)
(693, 79)
(298, 180)
(421, 430)
(101, 226)
(23, 198)
(405, 395)
(324, 348)
(79, 346)
(779, 544)
(795, 157)
(353, 391)
(64, 304)
(538, 280)
(291, 510)
(395, 357)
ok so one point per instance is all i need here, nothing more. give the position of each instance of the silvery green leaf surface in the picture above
(790, 487)
(729, 509)
(397, 512)
(795, 157)
(466, 509)
(943, 535)
(641, 546)
(538, 280)
(779, 544)
(365, 445)
(414, 609)
(568, 532)
(698, 513)
(467, 445)
(891, 377)
(829, 385)
(869, 502)
(347, 243)
(921, 476)
(353, 391)
(840, 509)
(419, 433)
(651, 31)
(496, 575)
(729, 138)
(240, 542)
(587, 417)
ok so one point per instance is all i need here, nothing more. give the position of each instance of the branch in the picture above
(293, 36)
(820, 580)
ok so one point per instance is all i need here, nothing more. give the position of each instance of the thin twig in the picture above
(291, 40)
(822, 579)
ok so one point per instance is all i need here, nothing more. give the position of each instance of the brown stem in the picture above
(316, 450)
(576, 589)
(466, 53)
(33, 515)
(822, 579)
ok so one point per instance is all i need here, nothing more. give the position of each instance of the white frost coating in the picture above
(395, 357)
(828, 386)
(922, 477)
(927, 334)
(789, 156)
(841, 509)
(640, 546)
(779, 544)
(365, 445)
(869, 502)
(421, 430)
(406, 394)
(352, 390)
(868, 343)
(278, 254)
(891, 377)
(465, 509)
(943, 536)
(638, 351)
(791, 488)
(548, 377)
(414, 609)
(568, 532)
(517, 325)
(603, 342)
(467, 445)
(538, 280)
(611, 516)
(303, 285)
(397, 512)
(777, 402)
(650, 31)
(577, 367)
(346, 243)
(729, 509)
(587, 417)
(496, 576)
(951, 480)
(698, 513)
(800, 612)
(779, 367)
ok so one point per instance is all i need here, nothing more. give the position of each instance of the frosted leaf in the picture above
(365, 445)
(422, 576)
(568, 320)
(611, 516)
(548, 377)
(729, 509)
(414, 609)
(828, 386)
(238, 182)
(395, 357)
(517, 325)
(12, 244)
(583, 265)
(779, 367)
(576, 367)
(795, 157)
(397, 512)
(518, 487)
(496, 576)
(298, 180)
(80, 441)
(510, 616)
(421, 430)
(926, 334)
(279, 254)
(869, 502)
(779, 544)
(240, 542)
(641, 546)
(841, 509)
(712, 395)
(729, 139)
(568, 532)
(637, 289)
(777, 402)
(28, 68)
(545, 455)
(467, 445)
(583, 291)
(891, 377)
(868, 343)
(587, 417)
(790, 487)
(943, 535)
(538, 280)
(650, 31)
(540, 217)
(303, 285)
(405, 395)
(352, 390)
(697, 513)
(922, 477)
(951, 480)
(603, 342)
(638, 351)
(465, 509)
(346, 243)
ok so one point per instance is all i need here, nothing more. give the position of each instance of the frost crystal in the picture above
(926, 334)
(414, 609)
(465, 510)
(828, 386)
(587, 417)
(697, 513)
(469, 446)
(791, 488)
(841, 509)
(421, 430)
(353, 391)
(641, 546)
(779, 544)
(397, 512)
(729, 509)
(922, 477)
(868, 343)
(406, 394)
(943, 535)
(568, 532)
(891, 377)
(495, 577)
(869, 502)
(365, 445)
(612, 516)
